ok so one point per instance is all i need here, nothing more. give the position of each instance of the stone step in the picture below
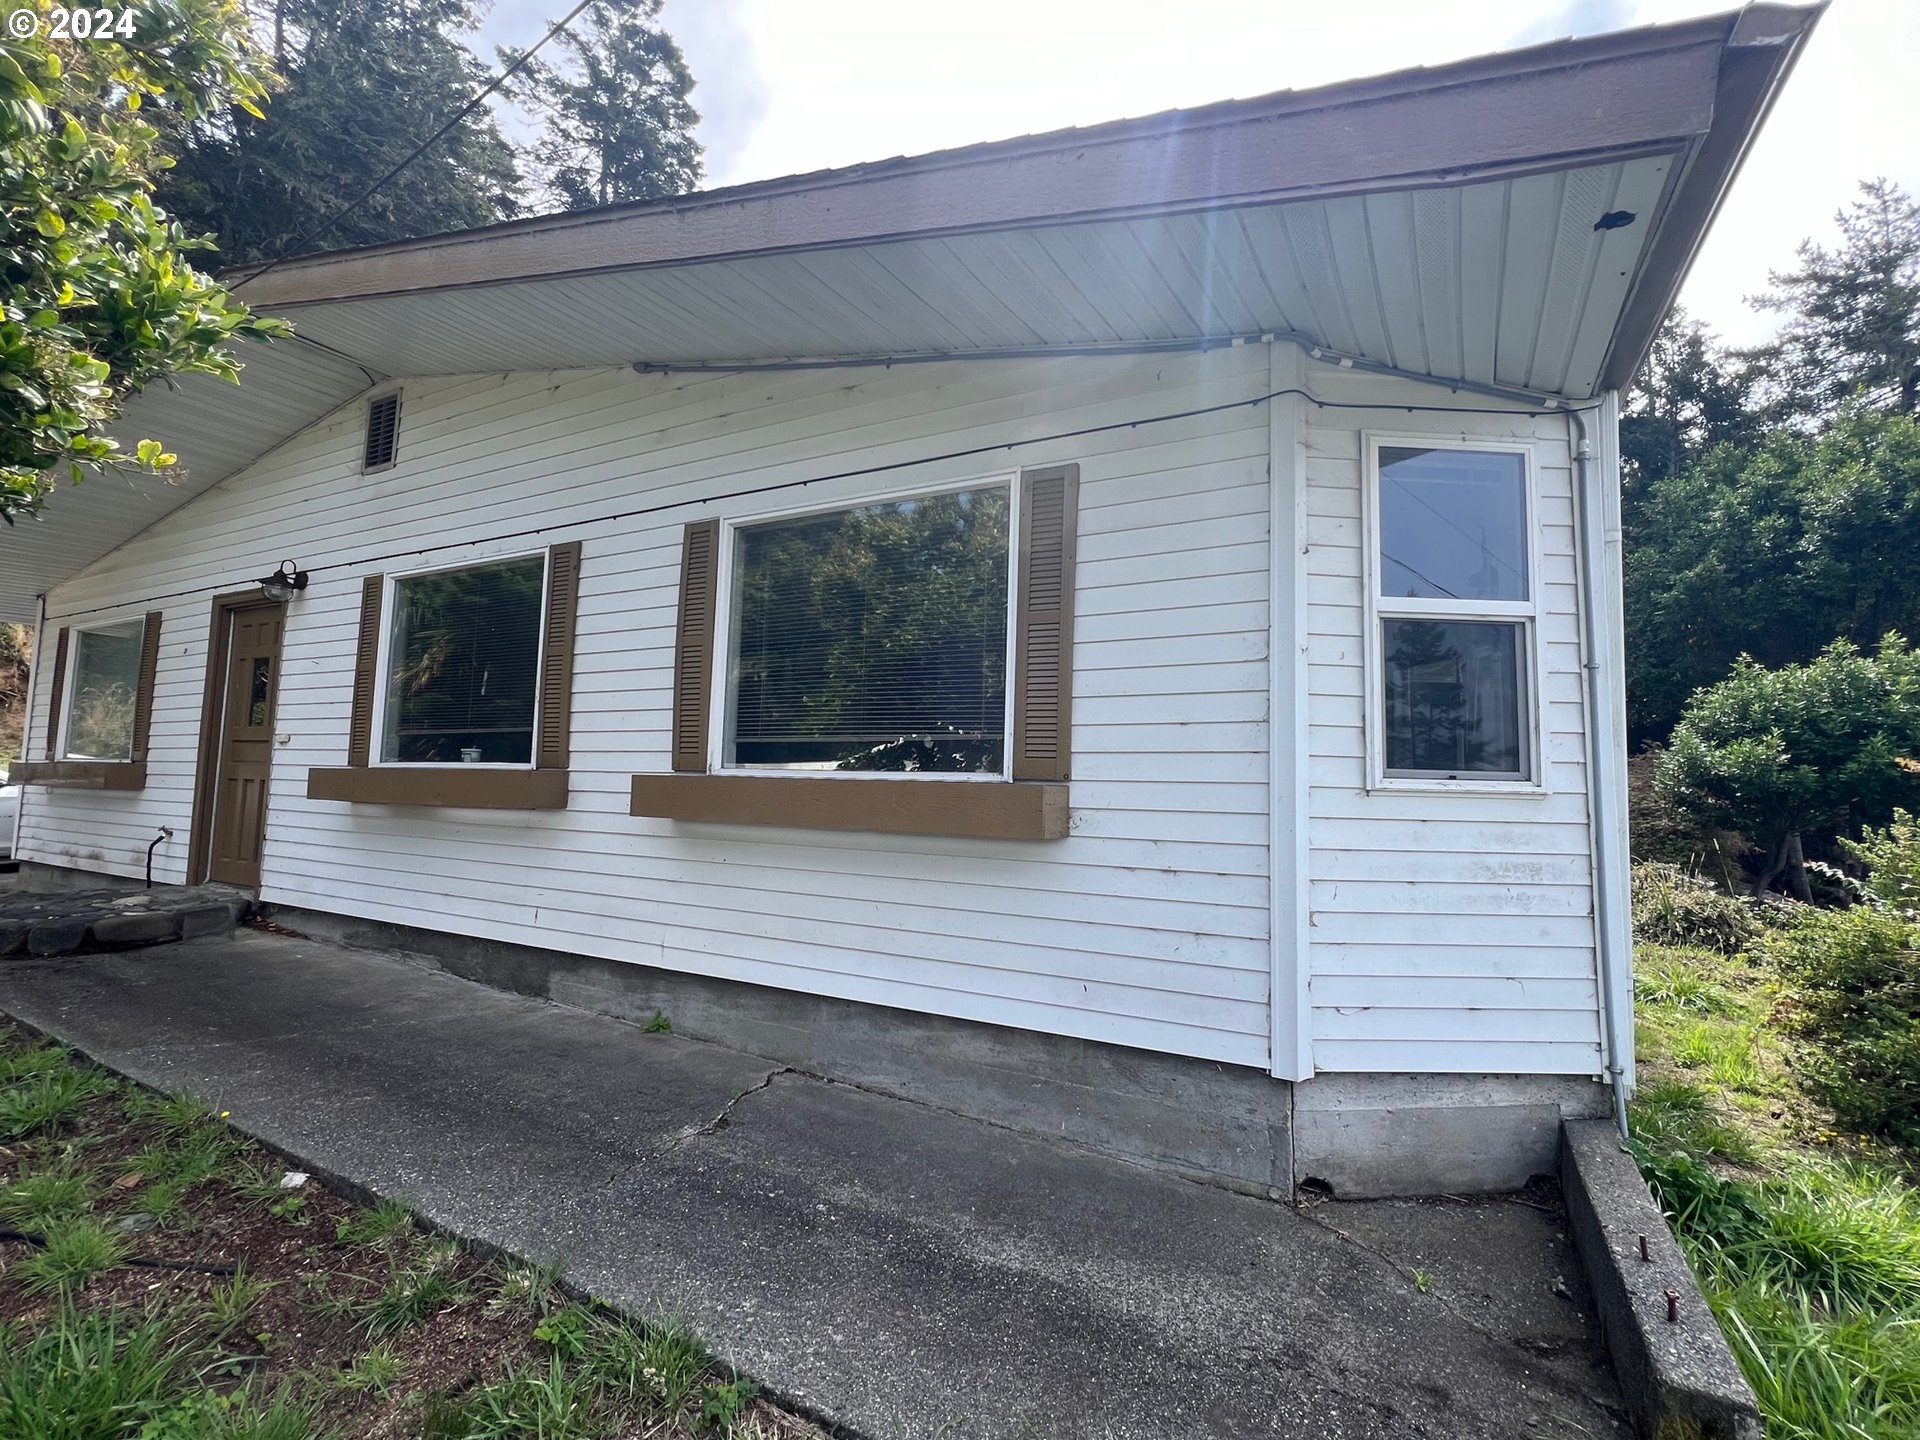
(85, 922)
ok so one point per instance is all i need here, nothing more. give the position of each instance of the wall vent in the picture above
(383, 431)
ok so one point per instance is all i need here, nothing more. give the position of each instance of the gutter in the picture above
(1606, 780)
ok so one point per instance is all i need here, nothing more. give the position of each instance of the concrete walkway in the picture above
(902, 1272)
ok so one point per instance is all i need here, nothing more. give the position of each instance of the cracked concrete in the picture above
(905, 1272)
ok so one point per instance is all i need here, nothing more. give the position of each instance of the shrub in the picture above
(1892, 858)
(1855, 975)
(1672, 907)
(1825, 748)
(1661, 830)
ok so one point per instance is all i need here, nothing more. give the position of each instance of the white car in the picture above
(9, 814)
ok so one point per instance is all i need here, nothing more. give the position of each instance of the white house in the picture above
(1116, 630)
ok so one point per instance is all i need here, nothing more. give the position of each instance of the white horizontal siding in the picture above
(1449, 932)
(1147, 926)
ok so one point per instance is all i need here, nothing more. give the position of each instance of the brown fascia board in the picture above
(1765, 44)
(1552, 104)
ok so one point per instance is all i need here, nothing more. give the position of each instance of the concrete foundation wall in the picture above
(1429, 1134)
(1364, 1135)
(1220, 1122)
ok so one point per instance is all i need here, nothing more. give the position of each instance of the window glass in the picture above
(1454, 698)
(462, 665)
(106, 675)
(873, 638)
(1453, 524)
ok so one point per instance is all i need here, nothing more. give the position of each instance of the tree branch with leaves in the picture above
(98, 295)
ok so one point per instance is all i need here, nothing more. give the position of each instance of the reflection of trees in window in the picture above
(1452, 701)
(462, 672)
(105, 679)
(875, 638)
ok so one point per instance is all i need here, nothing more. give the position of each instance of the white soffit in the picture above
(1503, 282)
(217, 428)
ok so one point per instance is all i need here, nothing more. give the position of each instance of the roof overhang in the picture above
(1439, 222)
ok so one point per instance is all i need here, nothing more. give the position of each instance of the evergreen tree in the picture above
(1853, 315)
(365, 81)
(618, 125)
(1688, 398)
(1771, 552)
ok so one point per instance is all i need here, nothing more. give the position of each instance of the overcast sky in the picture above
(786, 86)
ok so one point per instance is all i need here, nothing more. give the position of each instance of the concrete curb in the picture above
(1679, 1377)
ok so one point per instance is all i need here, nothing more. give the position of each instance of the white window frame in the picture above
(70, 681)
(1380, 608)
(720, 701)
(390, 615)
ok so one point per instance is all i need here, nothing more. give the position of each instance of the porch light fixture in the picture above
(284, 583)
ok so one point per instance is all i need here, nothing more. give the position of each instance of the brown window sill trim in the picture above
(446, 785)
(1016, 810)
(81, 774)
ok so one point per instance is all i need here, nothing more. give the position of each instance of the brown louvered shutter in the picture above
(693, 646)
(143, 691)
(366, 657)
(59, 692)
(552, 741)
(1043, 620)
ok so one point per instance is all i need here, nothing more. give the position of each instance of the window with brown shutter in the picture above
(463, 687)
(878, 641)
(100, 714)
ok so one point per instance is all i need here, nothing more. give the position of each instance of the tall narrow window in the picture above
(1454, 607)
(104, 676)
(463, 664)
(873, 638)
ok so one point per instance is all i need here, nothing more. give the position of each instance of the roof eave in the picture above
(1762, 47)
(1554, 103)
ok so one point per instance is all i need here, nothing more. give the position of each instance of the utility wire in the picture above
(314, 233)
(751, 491)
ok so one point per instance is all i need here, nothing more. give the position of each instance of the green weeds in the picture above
(47, 1099)
(1809, 1255)
(88, 1160)
(378, 1370)
(87, 1375)
(75, 1252)
(384, 1222)
(43, 1197)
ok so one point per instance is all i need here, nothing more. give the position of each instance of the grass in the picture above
(336, 1321)
(75, 1251)
(1806, 1241)
(384, 1222)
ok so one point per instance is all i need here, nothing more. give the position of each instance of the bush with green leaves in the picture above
(1821, 748)
(1892, 858)
(1672, 906)
(98, 297)
(1855, 977)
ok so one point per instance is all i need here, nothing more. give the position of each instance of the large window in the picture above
(1453, 604)
(462, 664)
(103, 689)
(872, 638)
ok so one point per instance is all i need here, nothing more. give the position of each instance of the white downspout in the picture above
(1599, 542)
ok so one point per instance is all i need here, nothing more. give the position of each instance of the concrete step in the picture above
(84, 922)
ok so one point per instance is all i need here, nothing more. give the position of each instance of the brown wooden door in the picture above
(245, 754)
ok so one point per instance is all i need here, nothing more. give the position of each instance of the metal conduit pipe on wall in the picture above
(1610, 933)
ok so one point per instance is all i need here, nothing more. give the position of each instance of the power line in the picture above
(893, 465)
(310, 235)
